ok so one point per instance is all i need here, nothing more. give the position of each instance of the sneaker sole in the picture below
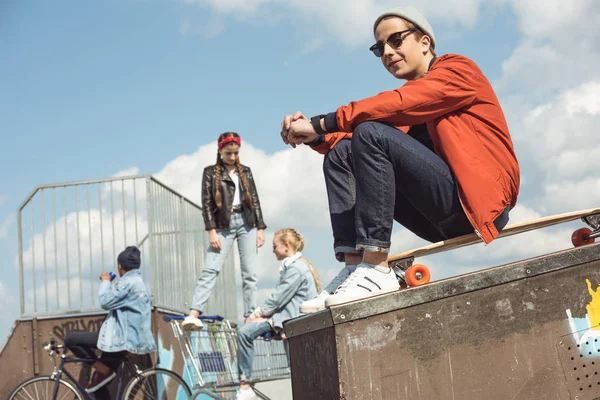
(310, 310)
(339, 302)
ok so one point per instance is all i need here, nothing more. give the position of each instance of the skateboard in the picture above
(418, 274)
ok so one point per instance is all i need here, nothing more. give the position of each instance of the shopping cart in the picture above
(271, 359)
(210, 358)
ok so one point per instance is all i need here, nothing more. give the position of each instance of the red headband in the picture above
(229, 139)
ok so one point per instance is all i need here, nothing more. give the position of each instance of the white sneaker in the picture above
(191, 324)
(245, 394)
(318, 303)
(340, 278)
(367, 281)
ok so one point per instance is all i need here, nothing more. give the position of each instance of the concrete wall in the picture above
(528, 330)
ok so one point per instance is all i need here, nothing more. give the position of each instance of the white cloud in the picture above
(584, 100)
(3, 199)
(536, 69)
(71, 240)
(6, 225)
(63, 294)
(521, 214)
(350, 21)
(229, 6)
(543, 19)
(559, 47)
(557, 139)
(127, 172)
(573, 195)
(290, 182)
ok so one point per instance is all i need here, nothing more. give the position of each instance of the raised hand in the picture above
(286, 124)
(301, 131)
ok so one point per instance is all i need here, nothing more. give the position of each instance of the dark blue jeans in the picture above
(382, 175)
(83, 344)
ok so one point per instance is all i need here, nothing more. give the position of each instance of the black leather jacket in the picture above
(219, 218)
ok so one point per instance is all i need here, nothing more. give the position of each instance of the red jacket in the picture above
(467, 127)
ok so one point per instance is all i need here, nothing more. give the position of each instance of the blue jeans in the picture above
(246, 238)
(247, 334)
(382, 175)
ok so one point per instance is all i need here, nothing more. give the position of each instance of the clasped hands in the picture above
(297, 129)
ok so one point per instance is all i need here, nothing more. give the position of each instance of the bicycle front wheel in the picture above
(42, 388)
(157, 384)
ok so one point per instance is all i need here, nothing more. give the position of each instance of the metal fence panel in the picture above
(69, 233)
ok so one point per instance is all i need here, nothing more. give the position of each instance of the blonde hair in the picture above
(292, 238)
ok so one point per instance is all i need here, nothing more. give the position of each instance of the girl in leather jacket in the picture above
(231, 210)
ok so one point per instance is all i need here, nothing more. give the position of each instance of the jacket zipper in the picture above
(469, 218)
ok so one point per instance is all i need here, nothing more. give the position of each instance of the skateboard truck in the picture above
(409, 275)
(585, 236)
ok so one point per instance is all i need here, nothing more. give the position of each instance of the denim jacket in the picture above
(127, 327)
(296, 285)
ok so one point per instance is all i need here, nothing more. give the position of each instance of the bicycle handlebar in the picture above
(52, 347)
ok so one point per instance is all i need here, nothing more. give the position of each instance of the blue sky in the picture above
(88, 89)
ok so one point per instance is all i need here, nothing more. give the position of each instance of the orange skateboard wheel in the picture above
(417, 275)
(582, 237)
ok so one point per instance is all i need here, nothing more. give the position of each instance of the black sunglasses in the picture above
(394, 40)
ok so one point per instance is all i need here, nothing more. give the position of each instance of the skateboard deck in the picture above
(591, 217)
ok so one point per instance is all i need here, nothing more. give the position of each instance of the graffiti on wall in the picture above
(61, 329)
(587, 330)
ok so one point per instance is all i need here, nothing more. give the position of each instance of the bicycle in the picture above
(148, 384)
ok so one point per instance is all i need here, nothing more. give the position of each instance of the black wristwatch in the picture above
(316, 124)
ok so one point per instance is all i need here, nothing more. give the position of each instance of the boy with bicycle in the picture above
(126, 329)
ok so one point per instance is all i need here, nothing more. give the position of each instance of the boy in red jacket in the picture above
(435, 155)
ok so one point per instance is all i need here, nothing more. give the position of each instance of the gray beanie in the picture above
(410, 14)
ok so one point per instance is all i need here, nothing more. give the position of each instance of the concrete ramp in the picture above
(522, 331)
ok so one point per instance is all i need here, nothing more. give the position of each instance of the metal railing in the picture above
(69, 233)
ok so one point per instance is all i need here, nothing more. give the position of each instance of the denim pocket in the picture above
(456, 225)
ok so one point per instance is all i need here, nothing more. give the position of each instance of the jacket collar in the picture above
(431, 63)
(131, 273)
(286, 262)
(224, 175)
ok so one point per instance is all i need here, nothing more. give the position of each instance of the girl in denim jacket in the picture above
(126, 329)
(231, 211)
(298, 282)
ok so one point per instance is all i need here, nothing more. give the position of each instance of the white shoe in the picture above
(245, 394)
(318, 303)
(367, 281)
(340, 278)
(191, 324)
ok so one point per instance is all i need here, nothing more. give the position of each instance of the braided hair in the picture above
(242, 176)
(292, 238)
